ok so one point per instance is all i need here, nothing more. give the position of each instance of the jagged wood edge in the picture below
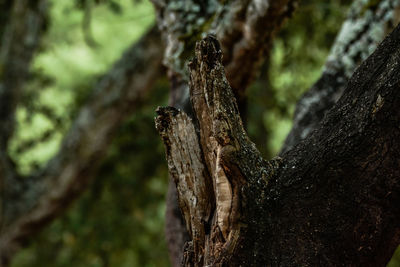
(232, 160)
(361, 133)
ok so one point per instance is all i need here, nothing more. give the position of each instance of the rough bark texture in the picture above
(332, 200)
(339, 188)
(245, 30)
(367, 23)
(175, 227)
(115, 96)
(211, 172)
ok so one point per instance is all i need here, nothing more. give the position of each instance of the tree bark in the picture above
(331, 200)
(245, 29)
(22, 24)
(365, 27)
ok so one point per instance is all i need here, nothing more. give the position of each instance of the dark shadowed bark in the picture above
(245, 30)
(331, 200)
(22, 24)
(67, 175)
(365, 27)
(175, 229)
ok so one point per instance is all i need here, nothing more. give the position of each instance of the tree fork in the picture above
(245, 30)
(211, 170)
(330, 200)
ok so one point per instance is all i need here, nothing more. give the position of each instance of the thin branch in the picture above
(19, 42)
(87, 24)
(244, 28)
(245, 31)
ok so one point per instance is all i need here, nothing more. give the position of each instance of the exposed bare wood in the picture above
(245, 29)
(175, 227)
(185, 162)
(231, 160)
(332, 200)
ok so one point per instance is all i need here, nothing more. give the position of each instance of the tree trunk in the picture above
(22, 23)
(331, 200)
(245, 30)
(364, 28)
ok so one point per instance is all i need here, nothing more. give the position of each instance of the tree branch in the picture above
(23, 23)
(365, 27)
(332, 200)
(63, 179)
(245, 29)
(211, 172)
(19, 42)
(245, 32)
(188, 172)
(338, 189)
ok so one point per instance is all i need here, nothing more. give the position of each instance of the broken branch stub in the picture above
(317, 206)
(188, 172)
(217, 165)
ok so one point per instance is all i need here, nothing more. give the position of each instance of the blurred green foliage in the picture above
(296, 61)
(66, 69)
(395, 261)
(121, 216)
(119, 220)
